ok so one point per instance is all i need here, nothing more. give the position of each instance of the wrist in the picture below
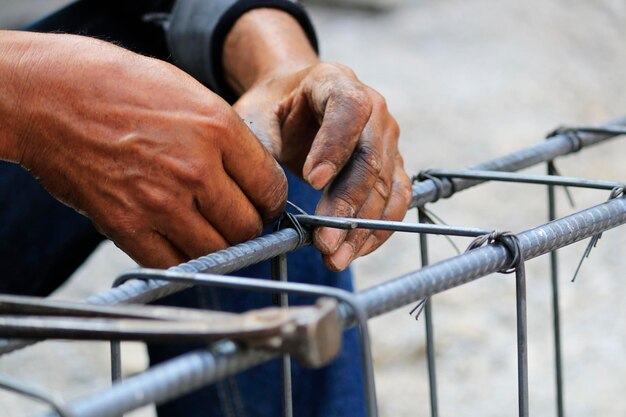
(265, 43)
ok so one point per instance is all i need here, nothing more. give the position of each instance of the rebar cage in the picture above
(239, 342)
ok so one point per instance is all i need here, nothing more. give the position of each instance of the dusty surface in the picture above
(468, 81)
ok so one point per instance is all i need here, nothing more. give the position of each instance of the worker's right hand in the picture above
(161, 165)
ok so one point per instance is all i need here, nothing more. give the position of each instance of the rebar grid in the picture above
(193, 370)
(211, 366)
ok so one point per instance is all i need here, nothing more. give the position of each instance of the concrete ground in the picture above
(467, 81)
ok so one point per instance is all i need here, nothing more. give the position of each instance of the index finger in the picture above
(344, 107)
(350, 190)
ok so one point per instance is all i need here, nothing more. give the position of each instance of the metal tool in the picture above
(312, 334)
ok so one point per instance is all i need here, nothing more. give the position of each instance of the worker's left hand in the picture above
(336, 133)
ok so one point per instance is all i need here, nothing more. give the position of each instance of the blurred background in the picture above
(467, 81)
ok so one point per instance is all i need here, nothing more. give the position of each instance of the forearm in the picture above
(262, 43)
(14, 51)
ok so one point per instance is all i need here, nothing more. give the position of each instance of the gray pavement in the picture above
(467, 81)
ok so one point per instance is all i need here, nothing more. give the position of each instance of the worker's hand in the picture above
(337, 134)
(162, 166)
(323, 124)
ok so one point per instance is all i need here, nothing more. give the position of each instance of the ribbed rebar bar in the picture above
(193, 370)
(221, 262)
(169, 380)
(559, 145)
(477, 263)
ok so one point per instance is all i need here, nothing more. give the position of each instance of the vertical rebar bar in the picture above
(522, 342)
(116, 361)
(428, 320)
(279, 273)
(556, 319)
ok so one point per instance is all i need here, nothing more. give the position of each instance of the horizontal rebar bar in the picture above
(482, 261)
(428, 191)
(524, 178)
(193, 370)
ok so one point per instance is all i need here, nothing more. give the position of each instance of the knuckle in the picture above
(400, 161)
(156, 200)
(378, 101)
(276, 197)
(251, 227)
(353, 97)
(382, 189)
(394, 129)
(345, 69)
(345, 204)
(404, 190)
(192, 173)
(368, 158)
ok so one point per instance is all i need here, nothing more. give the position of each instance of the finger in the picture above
(190, 232)
(236, 219)
(372, 209)
(395, 210)
(150, 250)
(254, 170)
(349, 191)
(347, 251)
(344, 106)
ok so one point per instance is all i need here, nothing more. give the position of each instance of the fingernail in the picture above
(369, 245)
(321, 174)
(341, 259)
(330, 238)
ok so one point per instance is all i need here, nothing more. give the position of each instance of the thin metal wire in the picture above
(524, 178)
(559, 145)
(189, 371)
(516, 264)
(355, 312)
(280, 273)
(563, 130)
(350, 223)
(616, 192)
(428, 325)
(116, 361)
(556, 315)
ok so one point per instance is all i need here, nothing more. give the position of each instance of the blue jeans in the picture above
(42, 242)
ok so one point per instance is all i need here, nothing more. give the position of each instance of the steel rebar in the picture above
(477, 263)
(192, 370)
(559, 145)
(429, 328)
(556, 315)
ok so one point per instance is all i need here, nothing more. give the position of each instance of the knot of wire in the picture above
(439, 184)
(288, 219)
(509, 241)
(573, 133)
